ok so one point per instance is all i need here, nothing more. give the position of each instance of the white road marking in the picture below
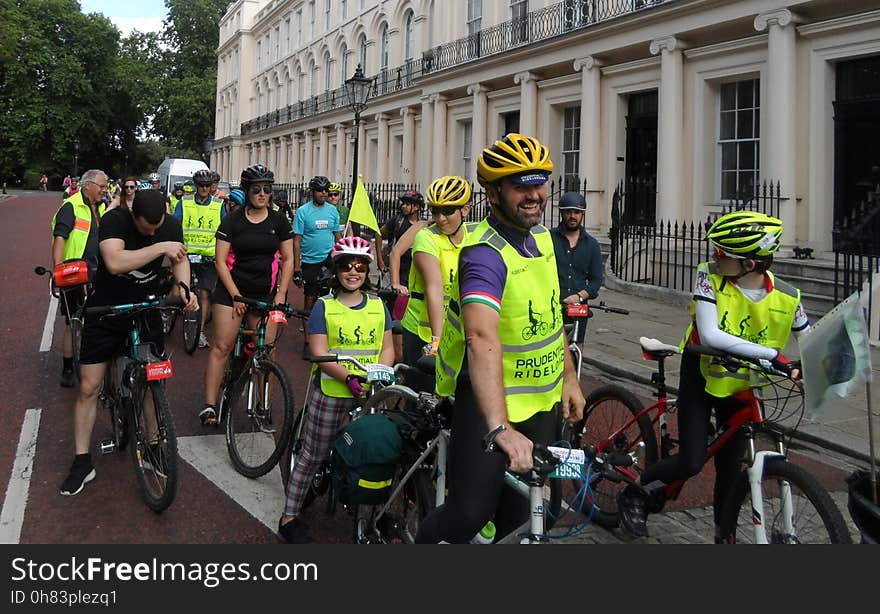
(49, 326)
(12, 515)
(262, 498)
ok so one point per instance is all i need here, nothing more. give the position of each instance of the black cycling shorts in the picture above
(221, 296)
(104, 336)
(207, 274)
(311, 276)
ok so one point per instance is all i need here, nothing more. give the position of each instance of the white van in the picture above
(173, 170)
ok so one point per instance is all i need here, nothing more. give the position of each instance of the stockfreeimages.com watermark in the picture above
(210, 575)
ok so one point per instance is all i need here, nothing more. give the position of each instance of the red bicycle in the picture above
(781, 501)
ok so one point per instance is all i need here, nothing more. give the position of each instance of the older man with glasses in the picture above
(200, 215)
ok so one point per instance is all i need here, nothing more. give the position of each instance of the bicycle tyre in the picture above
(192, 328)
(825, 525)
(168, 321)
(607, 409)
(400, 523)
(320, 482)
(155, 467)
(256, 439)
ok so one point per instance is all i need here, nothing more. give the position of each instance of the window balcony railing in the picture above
(538, 26)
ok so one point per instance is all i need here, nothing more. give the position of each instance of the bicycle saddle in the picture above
(652, 349)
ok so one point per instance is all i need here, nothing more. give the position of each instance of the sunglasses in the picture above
(446, 210)
(129, 187)
(332, 194)
(358, 267)
(203, 185)
(256, 189)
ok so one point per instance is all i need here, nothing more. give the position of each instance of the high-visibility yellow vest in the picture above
(352, 332)
(173, 202)
(200, 222)
(530, 328)
(75, 244)
(767, 322)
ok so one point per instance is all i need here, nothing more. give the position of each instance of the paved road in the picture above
(214, 504)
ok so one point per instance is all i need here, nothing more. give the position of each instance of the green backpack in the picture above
(367, 451)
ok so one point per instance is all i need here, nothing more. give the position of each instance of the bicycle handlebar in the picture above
(152, 303)
(608, 309)
(263, 306)
(733, 362)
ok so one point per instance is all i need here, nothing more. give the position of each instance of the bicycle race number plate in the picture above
(380, 373)
(577, 310)
(159, 370)
(572, 465)
(195, 258)
(277, 317)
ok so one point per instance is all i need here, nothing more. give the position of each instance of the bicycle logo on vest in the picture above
(743, 326)
(538, 325)
(358, 337)
(201, 222)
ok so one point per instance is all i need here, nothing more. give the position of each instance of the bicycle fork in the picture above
(755, 472)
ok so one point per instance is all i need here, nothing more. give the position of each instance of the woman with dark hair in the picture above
(126, 196)
(254, 259)
(346, 321)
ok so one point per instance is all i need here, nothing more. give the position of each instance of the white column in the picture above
(382, 149)
(528, 105)
(438, 144)
(307, 164)
(778, 138)
(324, 152)
(408, 161)
(669, 128)
(295, 159)
(342, 146)
(284, 166)
(425, 150)
(478, 92)
(591, 122)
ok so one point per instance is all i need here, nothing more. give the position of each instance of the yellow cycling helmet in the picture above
(335, 186)
(451, 191)
(515, 155)
(747, 234)
(188, 187)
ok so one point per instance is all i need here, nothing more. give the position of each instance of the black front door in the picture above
(640, 184)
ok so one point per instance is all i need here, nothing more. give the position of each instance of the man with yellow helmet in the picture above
(506, 278)
(740, 307)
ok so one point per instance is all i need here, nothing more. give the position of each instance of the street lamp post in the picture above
(357, 90)
(76, 157)
(208, 146)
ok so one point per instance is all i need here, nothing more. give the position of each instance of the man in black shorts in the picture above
(132, 246)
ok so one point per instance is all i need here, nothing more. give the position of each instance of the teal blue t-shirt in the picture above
(316, 225)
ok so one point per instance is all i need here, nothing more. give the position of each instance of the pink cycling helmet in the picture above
(352, 246)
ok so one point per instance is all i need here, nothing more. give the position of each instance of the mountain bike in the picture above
(255, 394)
(781, 501)
(133, 392)
(70, 295)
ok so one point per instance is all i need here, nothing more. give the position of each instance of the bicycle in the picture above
(75, 316)
(255, 394)
(578, 312)
(135, 418)
(378, 376)
(771, 493)
(192, 321)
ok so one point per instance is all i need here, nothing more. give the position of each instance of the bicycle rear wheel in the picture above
(153, 446)
(259, 418)
(816, 519)
(608, 409)
(192, 328)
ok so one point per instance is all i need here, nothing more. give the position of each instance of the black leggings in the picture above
(476, 478)
(694, 407)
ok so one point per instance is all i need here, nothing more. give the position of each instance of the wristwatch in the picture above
(489, 438)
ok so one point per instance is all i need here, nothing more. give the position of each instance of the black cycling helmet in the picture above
(254, 174)
(203, 177)
(280, 196)
(413, 197)
(319, 183)
(178, 185)
(573, 200)
(215, 176)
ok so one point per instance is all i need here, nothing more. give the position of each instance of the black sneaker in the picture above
(68, 378)
(208, 415)
(631, 504)
(81, 472)
(295, 531)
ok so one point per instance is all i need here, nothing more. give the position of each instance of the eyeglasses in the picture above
(446, 210)
(256, 189)
(354, 265)
(129, 187)
(333, 195)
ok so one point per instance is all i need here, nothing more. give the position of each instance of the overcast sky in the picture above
(143, 15)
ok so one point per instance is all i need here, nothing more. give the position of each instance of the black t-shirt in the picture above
(138, 284)
(254, 261)
(397, 227)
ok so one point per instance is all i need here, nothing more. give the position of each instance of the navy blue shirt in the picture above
(579, 267)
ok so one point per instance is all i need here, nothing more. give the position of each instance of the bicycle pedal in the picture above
(108, 446)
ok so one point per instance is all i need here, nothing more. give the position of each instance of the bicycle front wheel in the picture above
(607, 411)
(259, 418)
(153, 446)
(815, 518)
(192, 328)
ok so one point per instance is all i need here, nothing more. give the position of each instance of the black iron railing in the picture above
(538, 26)
(856, 242)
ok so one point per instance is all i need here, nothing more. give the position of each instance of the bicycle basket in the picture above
(71, 273)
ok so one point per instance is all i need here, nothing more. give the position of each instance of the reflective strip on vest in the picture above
(530, 328)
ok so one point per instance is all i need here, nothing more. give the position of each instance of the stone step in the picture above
(807, 269)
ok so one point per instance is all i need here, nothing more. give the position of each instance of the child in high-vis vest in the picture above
(347, 321)
(739, 307)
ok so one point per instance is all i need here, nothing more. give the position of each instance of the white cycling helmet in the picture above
(352, 246)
